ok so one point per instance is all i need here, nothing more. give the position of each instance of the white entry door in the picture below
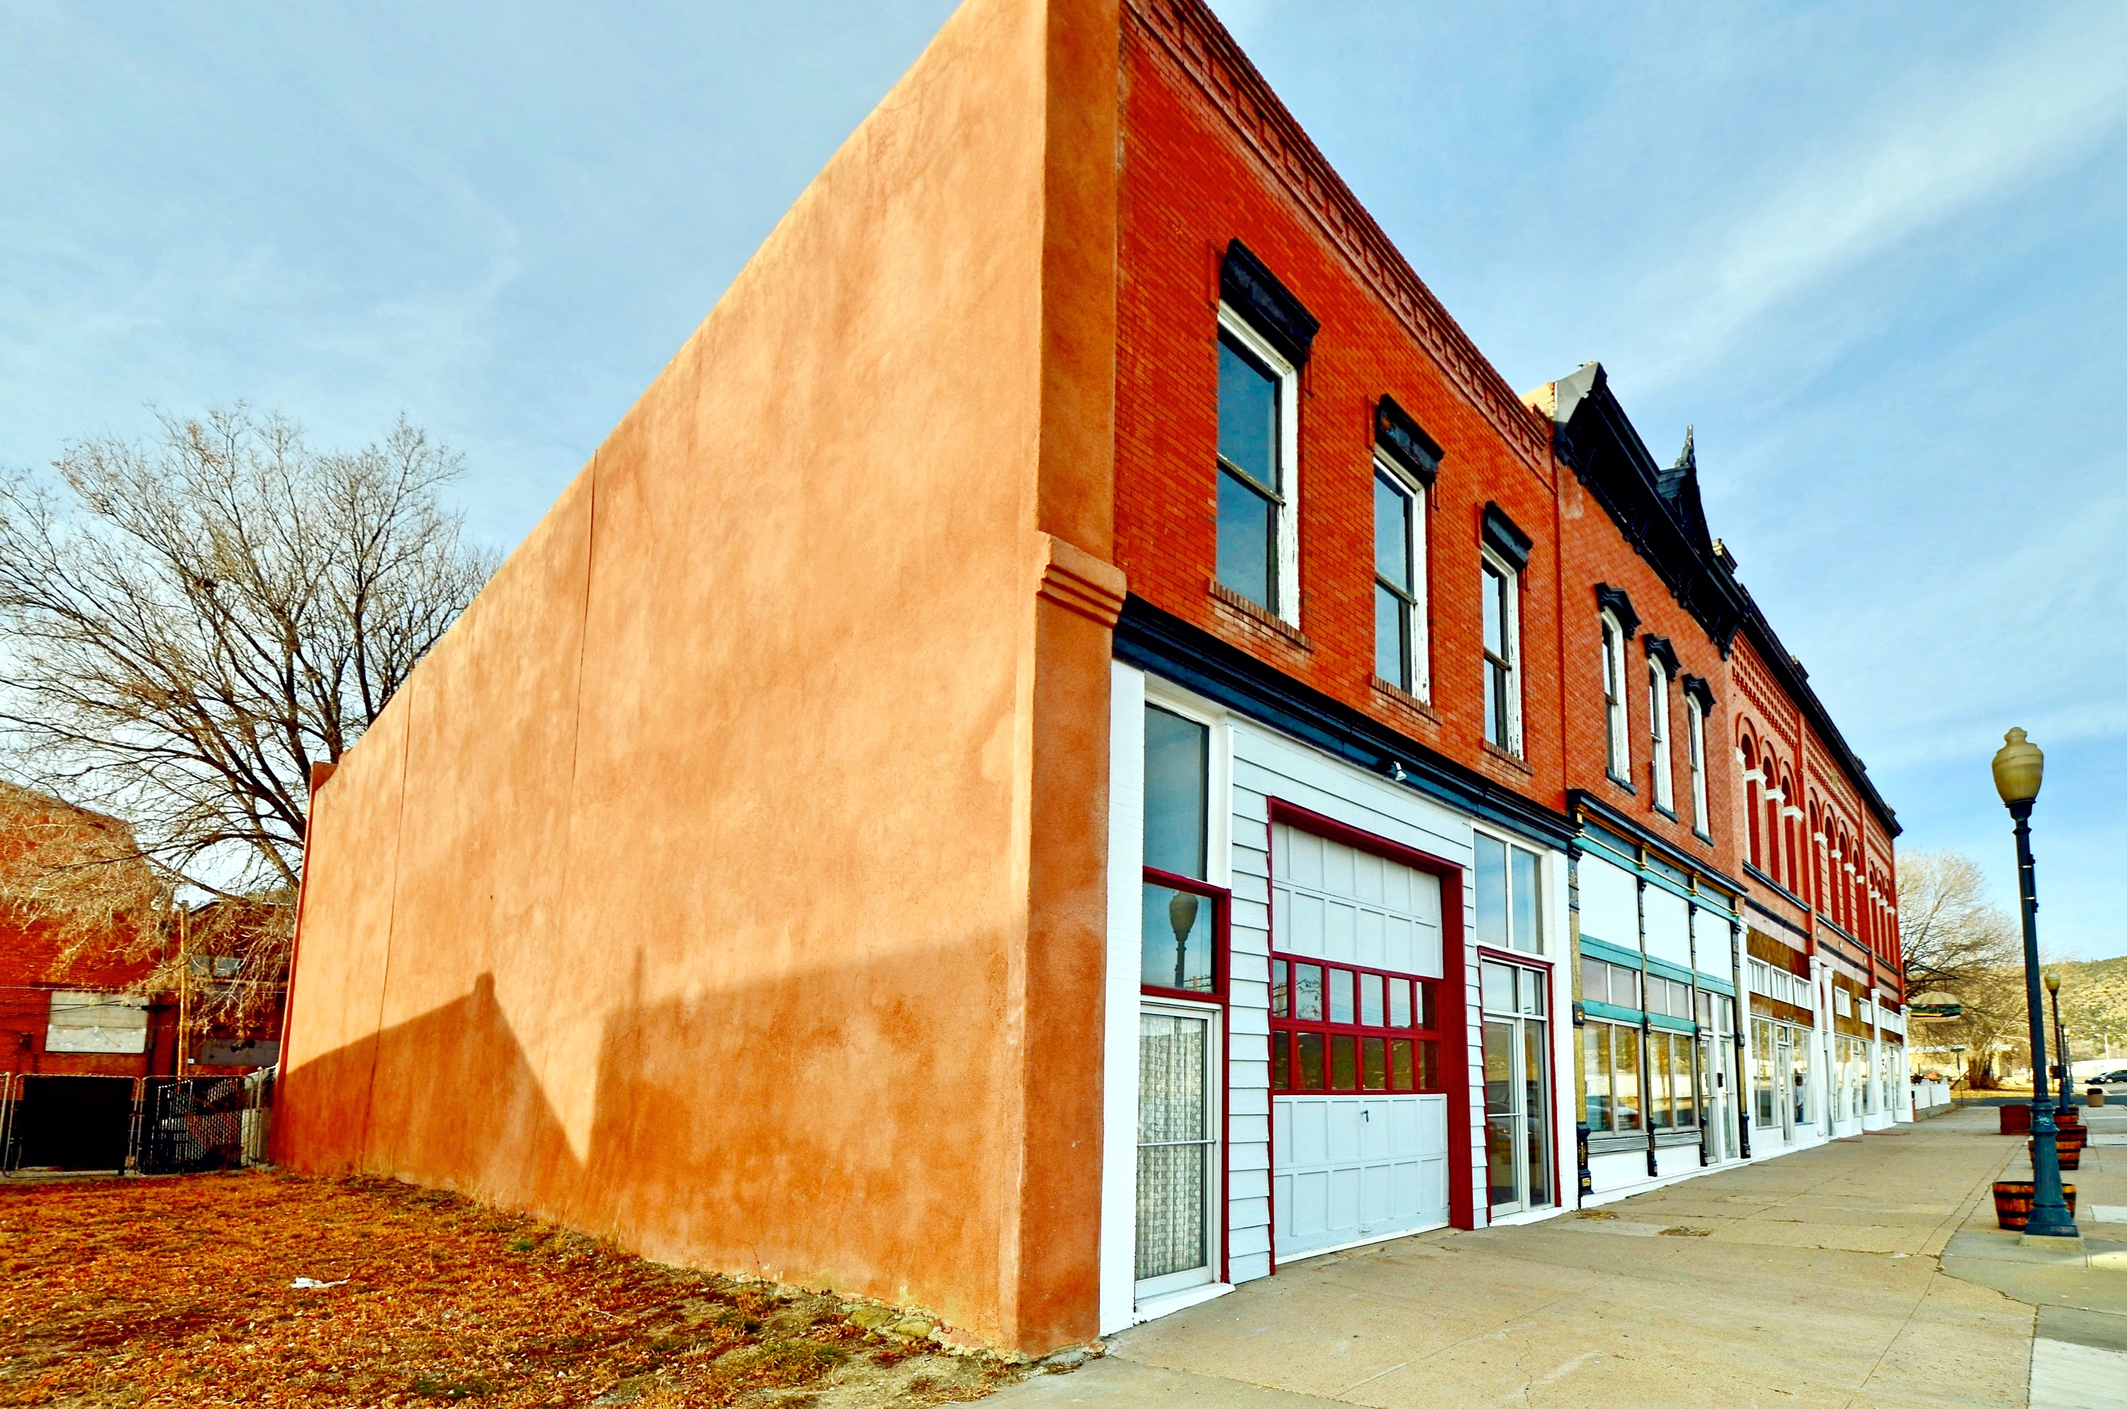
(1177, 1148)
(1363, 1018)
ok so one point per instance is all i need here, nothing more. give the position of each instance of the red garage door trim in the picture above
(1455, 1059)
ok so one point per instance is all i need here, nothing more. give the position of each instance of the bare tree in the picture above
(186, 626)
(1958, 941)
(1947, 927)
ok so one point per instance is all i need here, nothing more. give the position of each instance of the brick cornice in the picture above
(1200, 46)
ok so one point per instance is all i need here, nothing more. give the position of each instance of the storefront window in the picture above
(1610, 1058)
(1509, 902)
(1180, 921)
(1763, 1081)
(1798, 1067)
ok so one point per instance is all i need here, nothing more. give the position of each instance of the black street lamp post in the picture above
(2066, 1068)
(2018, 769)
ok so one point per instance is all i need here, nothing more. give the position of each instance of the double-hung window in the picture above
(1614, 710)
(1658, 734)
(1259, 543)
(1502, 654)
(1695, 750)
(1399, 577)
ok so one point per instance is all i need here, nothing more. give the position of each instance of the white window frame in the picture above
(1658, 684)
(1617, 711)
(1543, 947)
(1695, 749)
(1286, 504)
(1218, 819)
(1513, 662)
(1419, 643)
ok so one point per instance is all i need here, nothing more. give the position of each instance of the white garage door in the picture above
(1353, 1168)
(1370, 1164)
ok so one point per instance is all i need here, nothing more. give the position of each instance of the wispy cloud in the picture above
(1977, 136)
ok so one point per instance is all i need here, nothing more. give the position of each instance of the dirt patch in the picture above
(182, 1292)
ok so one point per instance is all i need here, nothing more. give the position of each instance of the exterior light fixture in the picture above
(2019, 767)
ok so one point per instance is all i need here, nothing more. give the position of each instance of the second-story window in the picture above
(1502, 655)
(1258, 552)
(1695, 750)
(1658, 734)
(1615, 721)
(1399, 576)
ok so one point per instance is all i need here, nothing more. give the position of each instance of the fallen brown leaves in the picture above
(178, 1292)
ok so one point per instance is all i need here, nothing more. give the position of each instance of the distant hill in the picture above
(2094, 1006)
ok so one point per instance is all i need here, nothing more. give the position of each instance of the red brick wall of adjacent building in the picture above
(1209, 157)
(30, 972)
(1851, 918)
(1593, 550)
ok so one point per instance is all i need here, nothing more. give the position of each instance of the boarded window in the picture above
(97, 1022)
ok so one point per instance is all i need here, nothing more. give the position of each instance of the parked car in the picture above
(2109, 1078)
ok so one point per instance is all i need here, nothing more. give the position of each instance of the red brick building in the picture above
(62, 1017)
(1168, 852)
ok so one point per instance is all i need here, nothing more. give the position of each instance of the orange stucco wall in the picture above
(695, 887)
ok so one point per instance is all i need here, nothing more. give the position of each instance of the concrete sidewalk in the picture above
(1811, 1279)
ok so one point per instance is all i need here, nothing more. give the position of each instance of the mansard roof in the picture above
(1661, 516)
(1657, 510)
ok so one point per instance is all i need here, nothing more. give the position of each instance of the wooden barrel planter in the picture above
(2015, 1119)
(2069, 1116)
(2012, 1201)
(2070, 1152)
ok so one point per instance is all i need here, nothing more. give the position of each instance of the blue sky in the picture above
(1873, 252)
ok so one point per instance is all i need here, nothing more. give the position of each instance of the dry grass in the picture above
(177, 1292)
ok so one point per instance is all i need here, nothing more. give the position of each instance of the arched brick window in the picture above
(1788, 809)
(1813, 848)
(1751, 775)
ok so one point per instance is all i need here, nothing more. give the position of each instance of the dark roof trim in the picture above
(1586, 804)
(1164, 644)
(1614, 601)
(1503, 538)
(1781, 920)
(1656, 510)
(1248, 286)
(1658, 648)
(1398, 437)
(1699, 688)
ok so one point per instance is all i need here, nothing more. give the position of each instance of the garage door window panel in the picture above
(1386, 1042)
